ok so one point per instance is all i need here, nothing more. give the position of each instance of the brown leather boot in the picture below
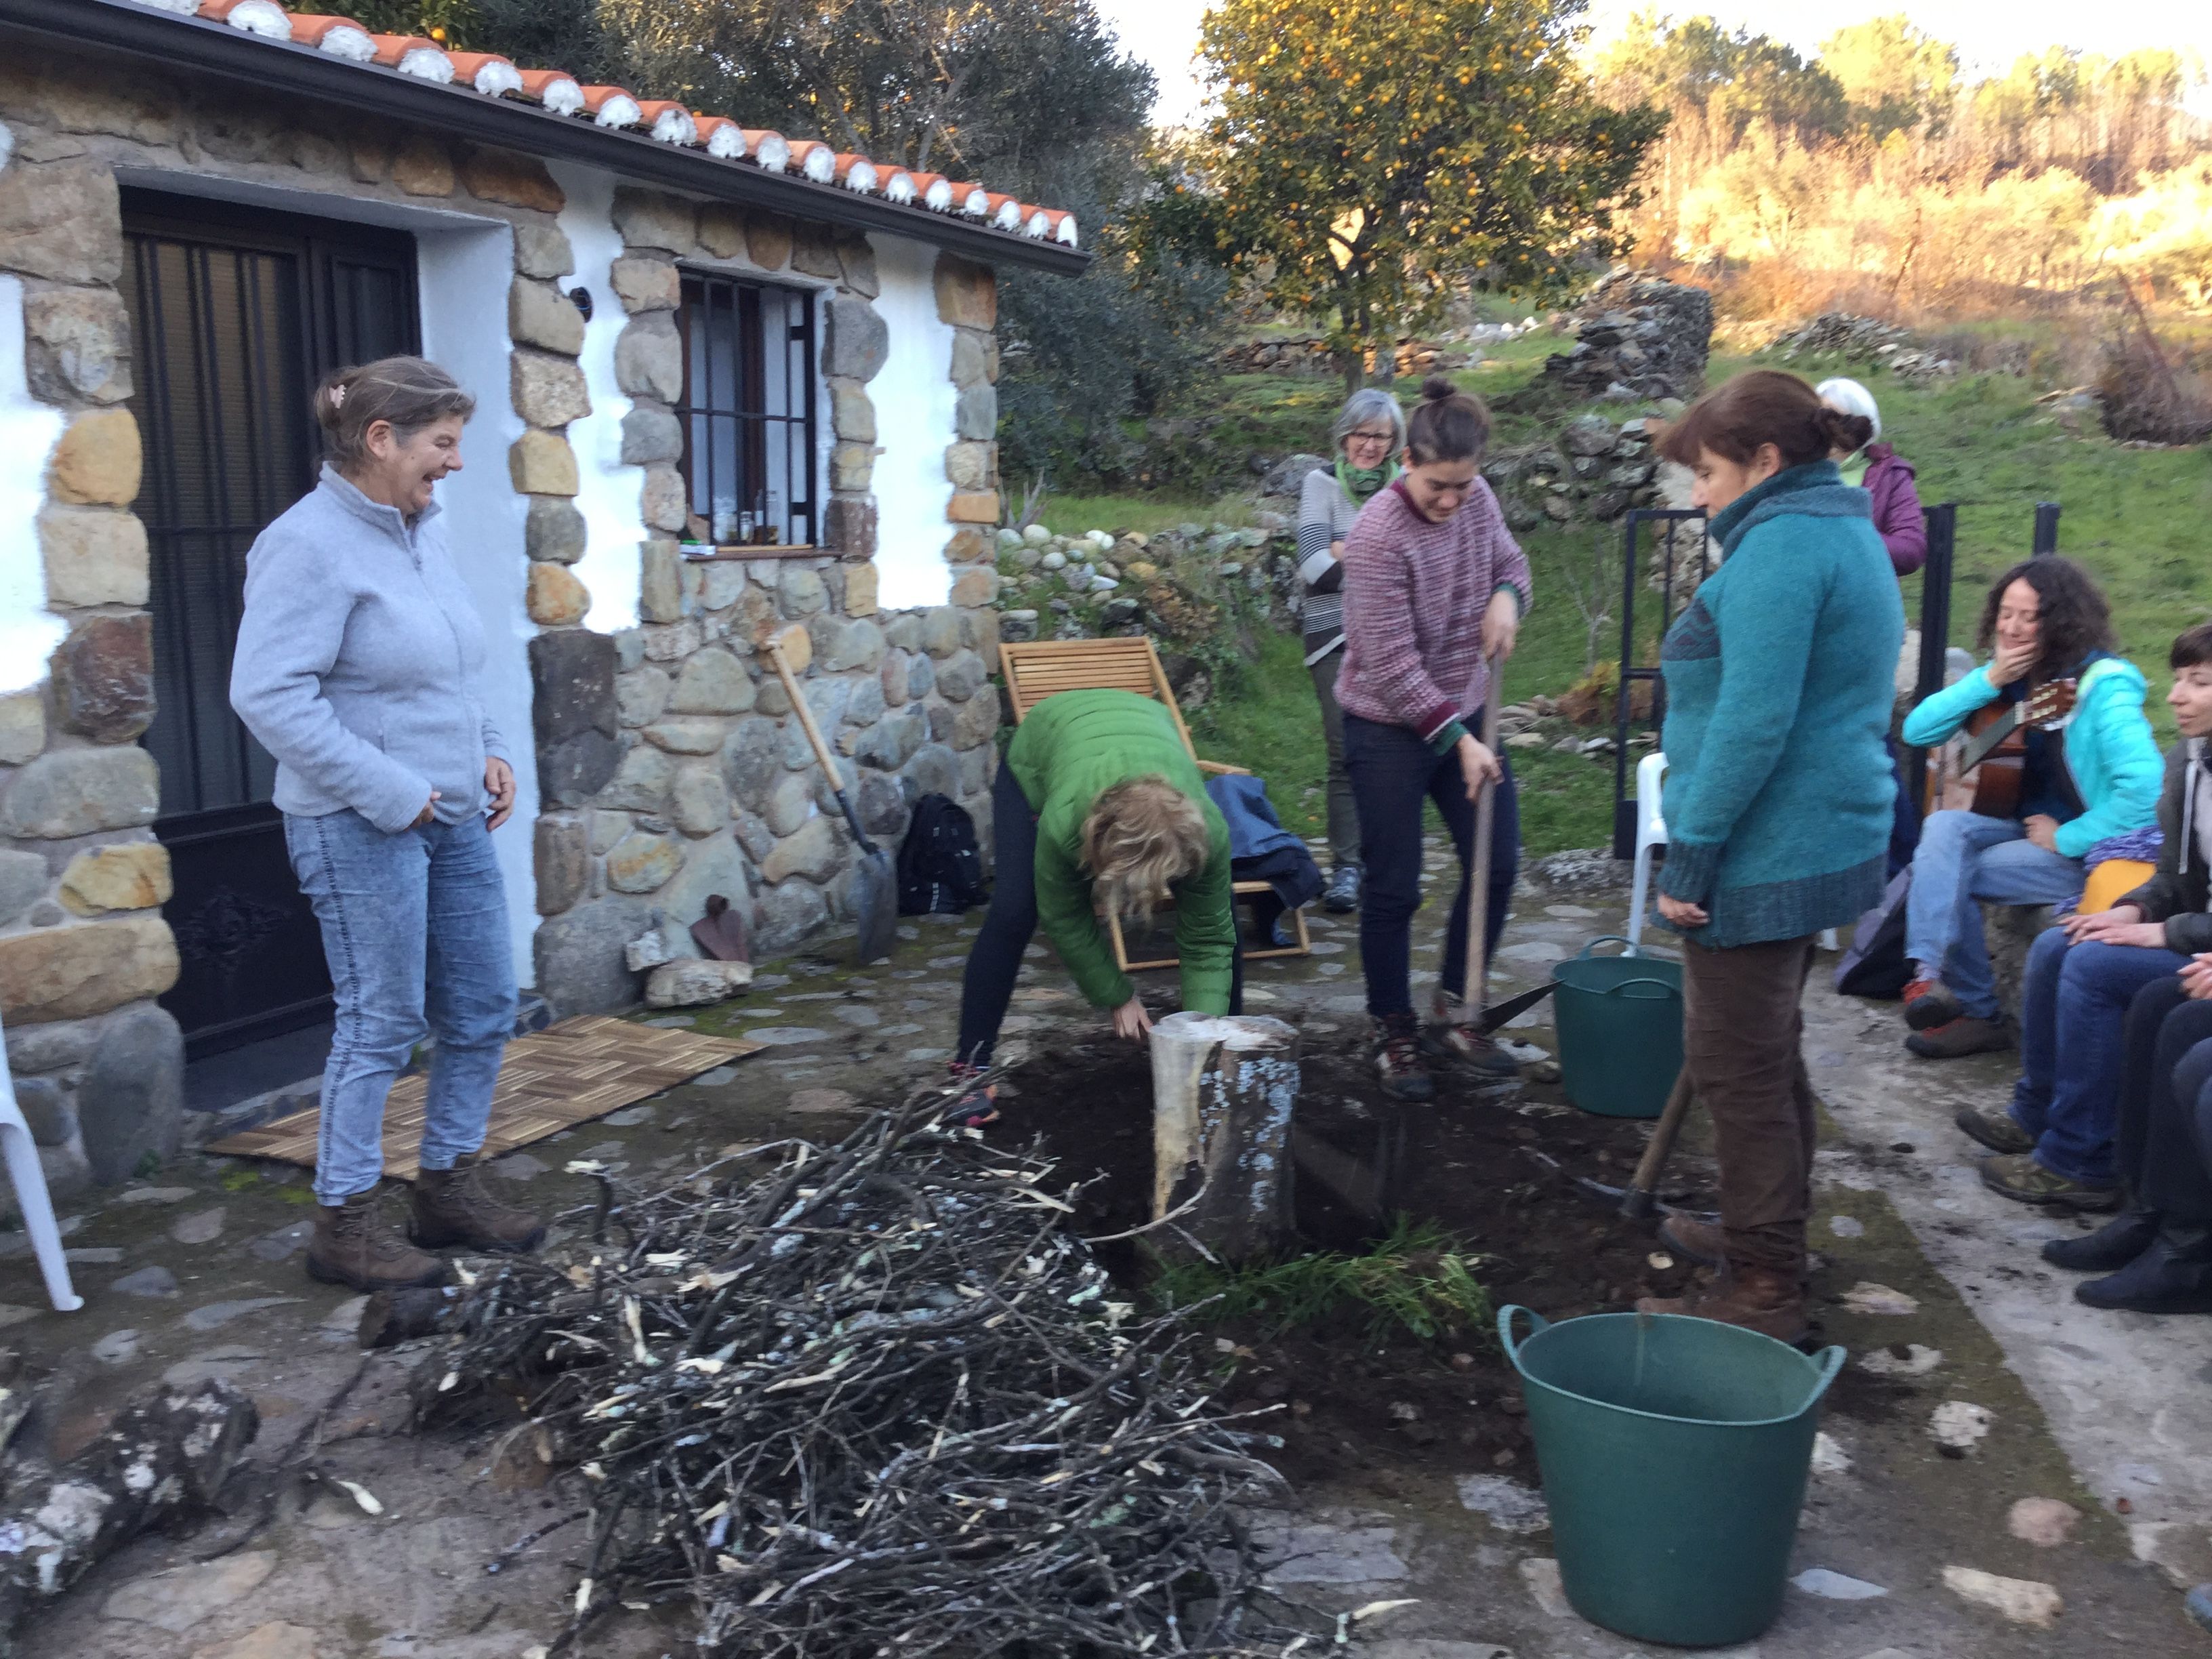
(454, 1208)
(1702, 1242)
(355, 1243)
(1757, 1298)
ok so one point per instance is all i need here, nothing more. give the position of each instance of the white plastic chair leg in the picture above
(1827, 939)
(29, 1177)
(1638, 893)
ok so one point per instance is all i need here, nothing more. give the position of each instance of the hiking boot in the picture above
(2173, 1276)
(970, 1104)
(1452, 1036)
(2021, 1179)
(1397, 1059)
(1762, 1299)
(2108, 1249)
(1960, 1037)
(454, 1208)
(1929, 1003)
(355, 1243)
(1703, 1241)
(1341, 897)
(1995, 1129)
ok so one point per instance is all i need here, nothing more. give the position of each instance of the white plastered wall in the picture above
(608, 491)
(463, 276)
(29, 432)
(913, 396)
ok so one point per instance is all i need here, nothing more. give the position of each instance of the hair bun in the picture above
(1436, 389)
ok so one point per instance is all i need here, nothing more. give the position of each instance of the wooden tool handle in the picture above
(1476, 990)
(1640, 1199)
(799, 707)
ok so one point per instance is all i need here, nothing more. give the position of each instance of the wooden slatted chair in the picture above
(1041, 668)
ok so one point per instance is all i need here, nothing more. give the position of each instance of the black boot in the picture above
(2173, 1276)
(2108, 1249)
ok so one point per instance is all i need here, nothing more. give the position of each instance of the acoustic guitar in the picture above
(1994, 751)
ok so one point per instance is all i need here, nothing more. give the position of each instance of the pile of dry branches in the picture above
(876, 1401)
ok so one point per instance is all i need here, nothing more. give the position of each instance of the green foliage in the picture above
(1896, 76)
(1366, 158)
(1418, 1280)
(1732, 78)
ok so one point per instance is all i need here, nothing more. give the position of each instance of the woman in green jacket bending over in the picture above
(1098, 805)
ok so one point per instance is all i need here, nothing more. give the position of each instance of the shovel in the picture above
(1639, 1198)
(875, 888)
(1476, 990)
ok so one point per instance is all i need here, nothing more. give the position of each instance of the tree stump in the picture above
(1223, 1089)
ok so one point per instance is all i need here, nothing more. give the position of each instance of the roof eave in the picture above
(175, 42)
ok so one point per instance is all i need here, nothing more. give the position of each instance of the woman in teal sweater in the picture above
(1098, 805)
(1777, 804)
(2048, 621)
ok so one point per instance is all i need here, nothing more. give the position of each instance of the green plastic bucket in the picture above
(1674, 1454)
(1620, 1022)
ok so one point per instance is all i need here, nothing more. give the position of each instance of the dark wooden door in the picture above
(236, 315)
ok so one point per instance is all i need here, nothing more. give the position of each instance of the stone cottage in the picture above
(725, 381)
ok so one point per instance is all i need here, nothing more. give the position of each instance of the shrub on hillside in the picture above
(2147, 398)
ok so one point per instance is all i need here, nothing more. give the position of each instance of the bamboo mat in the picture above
(548, 1081)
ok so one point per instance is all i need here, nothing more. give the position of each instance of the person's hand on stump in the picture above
(1131, 1021)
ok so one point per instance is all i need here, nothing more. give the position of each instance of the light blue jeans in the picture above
(1963, 857)
(414, 927)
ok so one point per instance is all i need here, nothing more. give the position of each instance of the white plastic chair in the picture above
(1651, 832)
(30, 1176)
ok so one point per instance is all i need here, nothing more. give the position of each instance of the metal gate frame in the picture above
(1624, 808)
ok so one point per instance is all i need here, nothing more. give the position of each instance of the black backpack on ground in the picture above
(940, 867)
(1875, 965)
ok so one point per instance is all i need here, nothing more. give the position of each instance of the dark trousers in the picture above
(2164, 1138)
(1742, 1034)
(995, 961)
(1905, 817)
(1393, 771)
(1343, 811)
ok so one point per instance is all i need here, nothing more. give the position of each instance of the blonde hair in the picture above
(1143, 836)
(409, 392)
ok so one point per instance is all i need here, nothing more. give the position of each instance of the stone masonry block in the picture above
(539, 314)
(78, 792)
(97, 460)
(542, 464)
(663, 503)
(649, 359)
(722, 231)
(859, 340)
(133, 876)
(661, 591)
(542, 249)
(547, 390)
(104, 678)
(769, 237)
(850, 527)
(422, 166)
(974, 506)
(94, 557)
(970, 465)
(653, 218)
(852, 467)
(63, 221)
(967, 294)
(860, 589)
(67, 973)
(650, 434)
(852, 415)
(78, 341)
(23, 727)
(554, 531)
(561, 857)
(502, 176)
(647, 284)
(975, 414)
(554, 597)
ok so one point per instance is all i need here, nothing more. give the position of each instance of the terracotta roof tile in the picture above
(556, 89)
(665, 120)
(487, 71)
(341, 36)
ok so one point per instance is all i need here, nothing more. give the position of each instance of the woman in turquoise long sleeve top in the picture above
(2097, 778)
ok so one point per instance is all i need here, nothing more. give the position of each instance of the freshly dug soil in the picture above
(1494, 1168)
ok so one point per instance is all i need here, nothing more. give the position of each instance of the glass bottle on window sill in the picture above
(727, 519)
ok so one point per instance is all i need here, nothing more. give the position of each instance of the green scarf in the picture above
(1361, 482)
(1854, 469)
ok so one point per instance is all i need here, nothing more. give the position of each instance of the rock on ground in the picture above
(2023, 1601)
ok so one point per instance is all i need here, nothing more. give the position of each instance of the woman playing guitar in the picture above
(2086, 767)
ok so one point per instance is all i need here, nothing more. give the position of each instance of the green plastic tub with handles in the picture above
(1674, 1454)
(1619, 1025)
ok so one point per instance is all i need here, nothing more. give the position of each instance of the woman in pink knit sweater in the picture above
(1434, 587)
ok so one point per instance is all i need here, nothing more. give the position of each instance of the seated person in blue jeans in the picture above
(2055, 1145)
(2096, 779)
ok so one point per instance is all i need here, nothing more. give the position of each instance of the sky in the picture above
(1988, 35)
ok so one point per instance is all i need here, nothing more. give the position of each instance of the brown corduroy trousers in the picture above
(1742, 1042)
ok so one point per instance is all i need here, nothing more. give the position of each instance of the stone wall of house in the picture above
(85, 945)
(670, 764)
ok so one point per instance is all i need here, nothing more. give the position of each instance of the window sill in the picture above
(741, 554)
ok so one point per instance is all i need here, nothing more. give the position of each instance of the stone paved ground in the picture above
(196, 1272)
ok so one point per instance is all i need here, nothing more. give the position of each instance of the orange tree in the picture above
(1369, 154)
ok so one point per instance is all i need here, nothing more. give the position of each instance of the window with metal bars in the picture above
(748, 412)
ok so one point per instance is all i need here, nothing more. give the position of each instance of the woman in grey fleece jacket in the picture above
(359, 666)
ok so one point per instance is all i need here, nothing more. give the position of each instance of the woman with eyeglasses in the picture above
(1367, 436)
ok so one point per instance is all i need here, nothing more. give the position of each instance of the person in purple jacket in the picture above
(1884, 474)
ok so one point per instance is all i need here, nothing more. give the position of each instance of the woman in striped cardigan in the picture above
(1368, 431)
(1434, 590)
